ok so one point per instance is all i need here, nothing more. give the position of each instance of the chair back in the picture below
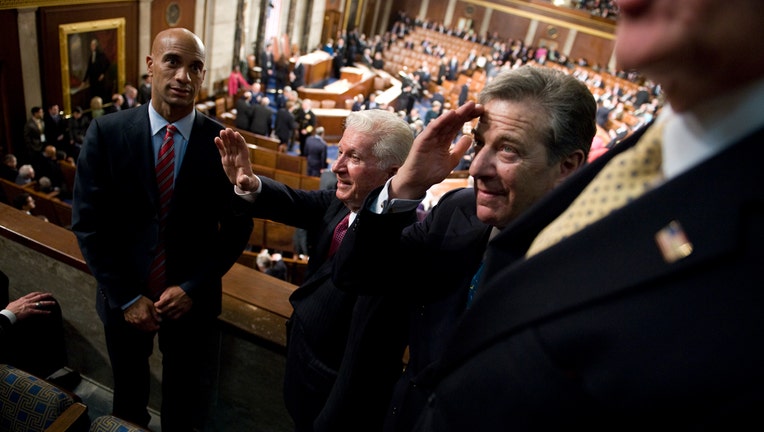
(28, 403)
(110, 423)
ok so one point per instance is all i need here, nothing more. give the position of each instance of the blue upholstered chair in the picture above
(109, 423)
(31, 404)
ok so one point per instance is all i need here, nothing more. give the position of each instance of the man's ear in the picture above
(570, 164)
(149, 65)
(392, 170)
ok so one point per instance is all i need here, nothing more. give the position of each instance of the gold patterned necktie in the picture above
(626, 177)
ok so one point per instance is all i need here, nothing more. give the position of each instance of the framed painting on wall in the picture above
(92, 61)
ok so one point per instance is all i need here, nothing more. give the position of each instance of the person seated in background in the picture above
(359, 102)
(32, 335)
(44, 185)
(129, 97)
(116, 103)
(435, 110)
(272, 265)
(26, 203)
(26, 175)
(263, 261)
(8, 169)
(371, 102)
(96, 107)
(50, 168)
(278, 266)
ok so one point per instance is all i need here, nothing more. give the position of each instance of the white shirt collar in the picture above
(694, 136)
(158, 123)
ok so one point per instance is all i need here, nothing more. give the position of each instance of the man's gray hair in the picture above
(392, 135)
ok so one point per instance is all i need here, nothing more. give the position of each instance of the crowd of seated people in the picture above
(409, 44)
(602, 8)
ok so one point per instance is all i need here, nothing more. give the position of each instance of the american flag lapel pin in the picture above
(673, 242)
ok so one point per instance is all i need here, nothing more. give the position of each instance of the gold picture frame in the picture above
(77, 60)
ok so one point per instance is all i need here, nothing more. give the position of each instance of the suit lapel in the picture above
(137, 141)
(334, 215)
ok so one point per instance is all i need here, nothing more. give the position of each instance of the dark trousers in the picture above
(189, 348)
(37, 345)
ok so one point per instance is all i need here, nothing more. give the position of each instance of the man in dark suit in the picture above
(306, 122)
(297, 75)
(442, 71)
(34, 138)
(443, 253)
(464, 92)
(268, 66)
(453, 69)
(244, 111)
(379, 61)
(284, 126)
(56, 132)
(651, 314)
(320, 324)
(262, 117)
(315, 152)
(159, 267)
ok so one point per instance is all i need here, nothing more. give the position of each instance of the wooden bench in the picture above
(333, 122)
(389, 95)
(46, 204)
(259, 140)
(296, 268)
(277, 160)
(69, 170)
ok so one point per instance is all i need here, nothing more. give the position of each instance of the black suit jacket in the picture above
(284, 125)
(116, 213)
(244, 111)
(55, 128)
(321, 319)
(299, 75)
(601, 332)
(262, 116)
(5, 323)
(433, 261)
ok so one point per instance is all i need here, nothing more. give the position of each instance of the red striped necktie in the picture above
(339, 234)
(165, 173)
